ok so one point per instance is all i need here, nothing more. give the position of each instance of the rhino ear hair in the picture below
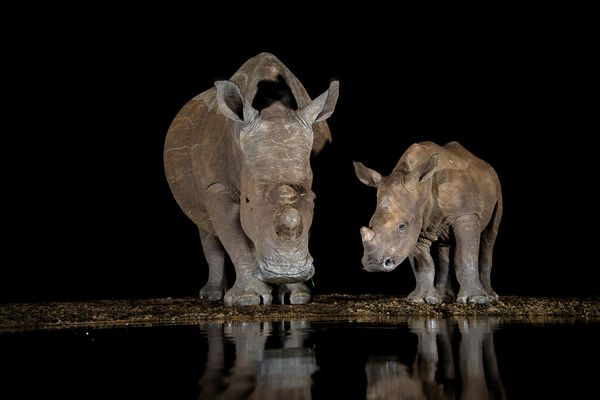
(366, 175)
(322, 107)
(231, 102)
(423, 172)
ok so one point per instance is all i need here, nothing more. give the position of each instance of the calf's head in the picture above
(276, 200)
(395, 226)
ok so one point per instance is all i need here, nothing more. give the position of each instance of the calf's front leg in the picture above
(424, 270)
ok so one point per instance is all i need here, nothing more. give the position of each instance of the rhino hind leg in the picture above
(488, 239)
(442, 273)
(215, 257)
(297, 293)
(466, 260)
(485, 264)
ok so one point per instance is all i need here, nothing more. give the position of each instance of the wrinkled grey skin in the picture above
(237, 161)
(435, 195)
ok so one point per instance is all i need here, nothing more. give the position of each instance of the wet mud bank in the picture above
(108, 313)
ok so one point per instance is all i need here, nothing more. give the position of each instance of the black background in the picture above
(90, 214)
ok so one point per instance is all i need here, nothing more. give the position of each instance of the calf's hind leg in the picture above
(466, 260)
(442, 273)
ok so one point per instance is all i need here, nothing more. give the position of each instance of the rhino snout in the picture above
(384, 264)
(285, 271)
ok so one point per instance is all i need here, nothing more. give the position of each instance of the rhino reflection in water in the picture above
(434, 373)
(237, 159)
(282, 373)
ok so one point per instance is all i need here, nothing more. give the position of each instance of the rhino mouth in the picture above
(271, 271)
(380, 265)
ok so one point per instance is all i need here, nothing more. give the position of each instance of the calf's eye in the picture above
(401, 227)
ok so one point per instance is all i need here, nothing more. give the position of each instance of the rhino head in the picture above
(396, 224)
(276, 200)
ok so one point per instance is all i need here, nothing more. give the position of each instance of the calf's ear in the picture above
(422, 172)
(366, 175)
(231, 102)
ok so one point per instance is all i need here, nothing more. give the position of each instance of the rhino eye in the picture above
(299, 189)
(401, 227)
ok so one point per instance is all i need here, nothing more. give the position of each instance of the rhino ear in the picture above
(322, 107)
(231, 102)
(423, 172)
(366, 175)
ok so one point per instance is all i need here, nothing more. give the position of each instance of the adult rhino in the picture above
(237, 161)
(435, 194)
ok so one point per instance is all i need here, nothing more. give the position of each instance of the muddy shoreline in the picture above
(147, 312)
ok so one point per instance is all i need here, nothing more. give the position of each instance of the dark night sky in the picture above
(92, 215)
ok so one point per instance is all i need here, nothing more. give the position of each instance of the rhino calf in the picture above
(237, 159)
(442, 196)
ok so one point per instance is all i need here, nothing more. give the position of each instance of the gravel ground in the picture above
(108, 313)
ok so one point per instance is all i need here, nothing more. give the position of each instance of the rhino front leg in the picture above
(225, 216)
(466, 260)
(215, 257)
(424, 270)
(299, 293)
(442, 273)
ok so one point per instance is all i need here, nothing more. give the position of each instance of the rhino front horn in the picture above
(366, 234)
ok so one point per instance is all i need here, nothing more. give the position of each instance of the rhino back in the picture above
(198, 152)
(465, 184)
(267, 67)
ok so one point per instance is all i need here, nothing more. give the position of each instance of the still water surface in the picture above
(416, 358)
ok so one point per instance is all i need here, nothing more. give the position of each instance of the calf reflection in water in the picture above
(258, 373)
(478, 368)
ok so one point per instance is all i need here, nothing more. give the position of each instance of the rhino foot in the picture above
(445, 293)
(494, 298)
(430, 296)
(475, 297)
(299, 293)
(248, 291)
(212, 292)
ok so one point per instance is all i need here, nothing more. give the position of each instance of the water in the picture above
(414, 358)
